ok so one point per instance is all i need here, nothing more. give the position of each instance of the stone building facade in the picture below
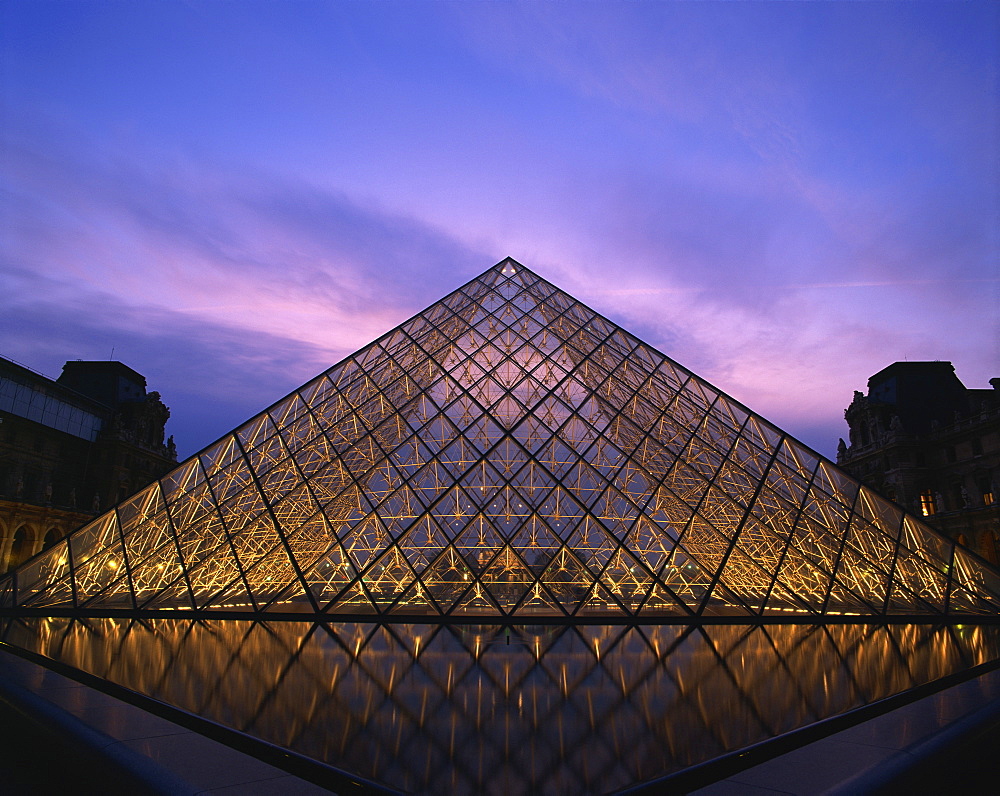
(925, 440)
(71, 448)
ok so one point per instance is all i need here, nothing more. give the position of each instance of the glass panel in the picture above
(508, 450)
(45, 579)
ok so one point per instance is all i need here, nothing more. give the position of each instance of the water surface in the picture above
(486, 709)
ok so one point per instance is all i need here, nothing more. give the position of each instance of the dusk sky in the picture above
(232, 196)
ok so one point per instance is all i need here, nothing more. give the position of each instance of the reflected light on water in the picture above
(487, 709)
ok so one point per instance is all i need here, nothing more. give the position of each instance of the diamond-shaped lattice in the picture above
(509, 452)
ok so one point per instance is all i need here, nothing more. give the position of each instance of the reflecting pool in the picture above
(487, 709)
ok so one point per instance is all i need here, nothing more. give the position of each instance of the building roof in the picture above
(35, 397)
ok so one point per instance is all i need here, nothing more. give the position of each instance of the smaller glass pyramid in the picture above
(508, 452)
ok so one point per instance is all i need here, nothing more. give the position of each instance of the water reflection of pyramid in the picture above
(509, 452)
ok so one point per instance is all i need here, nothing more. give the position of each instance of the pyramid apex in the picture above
(508, 266)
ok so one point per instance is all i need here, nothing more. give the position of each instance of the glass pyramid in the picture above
(508, 452)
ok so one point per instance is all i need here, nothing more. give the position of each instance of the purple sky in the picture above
(783, 197)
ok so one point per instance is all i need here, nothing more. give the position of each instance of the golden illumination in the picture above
(510, 452)
(475, 700)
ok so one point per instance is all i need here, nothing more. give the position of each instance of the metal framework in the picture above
(509, 452)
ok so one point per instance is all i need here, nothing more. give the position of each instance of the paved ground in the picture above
(36, 761)
(62, 737)
(945, 743)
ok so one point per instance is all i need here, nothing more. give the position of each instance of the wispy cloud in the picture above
(251, 250)
(783, 197)
(233, 289)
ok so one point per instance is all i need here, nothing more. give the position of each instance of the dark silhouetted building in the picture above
(71, 448)
(925, 440)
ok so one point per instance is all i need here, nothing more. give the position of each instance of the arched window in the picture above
(20, 550)
(51, 538)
